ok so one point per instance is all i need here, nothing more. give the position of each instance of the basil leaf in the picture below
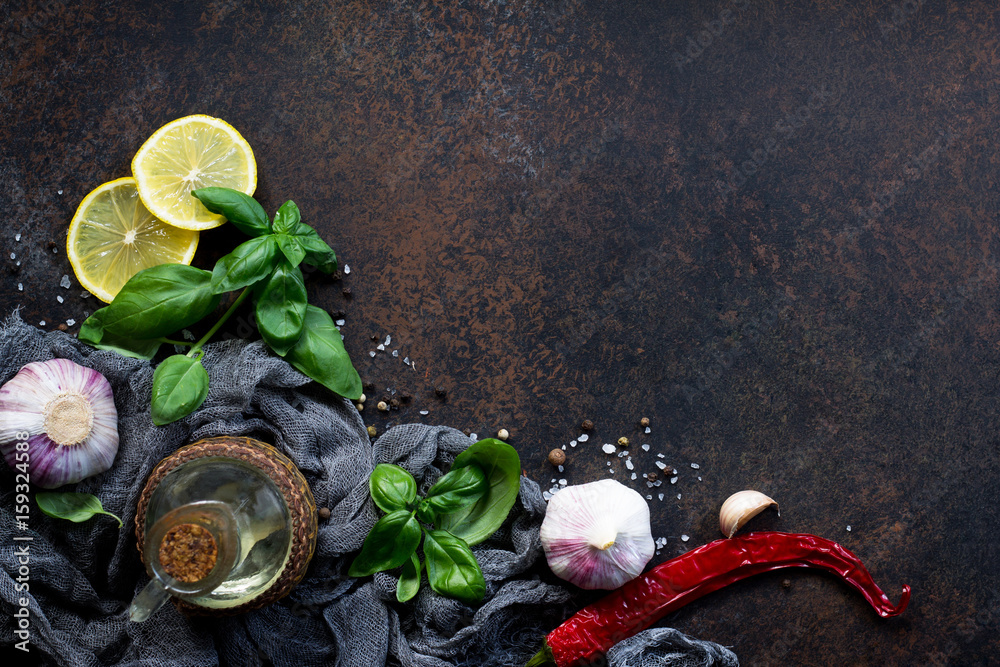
(318, 253)
(502, 466)
(246, 264)
(425, 513)
(392, 488)
(451, 567)
(75, 507)
(287, 218)
(457, 489)
(389, 544)
(92, 332)
(320, 354)
(281, 308)
(180, 384)
(158, 301)
(409, 580)
(290, 248)
(238, 208)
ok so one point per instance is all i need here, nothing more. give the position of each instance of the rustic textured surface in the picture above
(780, 245)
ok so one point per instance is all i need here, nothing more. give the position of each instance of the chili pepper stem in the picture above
(542, 659)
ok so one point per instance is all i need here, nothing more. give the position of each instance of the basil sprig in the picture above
(452, 570)
(166, 298)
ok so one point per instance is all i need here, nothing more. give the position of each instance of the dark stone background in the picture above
(779, 244)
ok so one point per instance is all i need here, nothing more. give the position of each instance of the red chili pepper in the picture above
(588, 634)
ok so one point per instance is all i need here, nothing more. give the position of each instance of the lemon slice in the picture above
(184, 155)
(112, 237)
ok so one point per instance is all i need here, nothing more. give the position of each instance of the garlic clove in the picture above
(69, 415)
(740, 507)
(597, 535)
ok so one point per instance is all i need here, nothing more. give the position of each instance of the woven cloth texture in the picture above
(83, 576)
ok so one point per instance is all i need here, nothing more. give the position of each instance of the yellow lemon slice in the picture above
(184, 155)
(112, 237)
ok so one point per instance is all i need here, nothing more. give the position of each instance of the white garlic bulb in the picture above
(59, 418)
(597, 535)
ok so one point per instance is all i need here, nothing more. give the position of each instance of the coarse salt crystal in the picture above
(340, 323)
(647, 429)
(13, 256)
(388, 339)
(87, 295)
(678, 496)
(684, 538)
(17, 237)
(406, 360)
(628, 464)
(371, 353)
(608, 448)
(658, 482)
(58, 192)
(572, 443)
(584, 438)
(474, 436)
(395, 353)
(661, 496)
(20, 287)
(347, 269)
(425, 412)
(633, 475)
(848, 529)
(649, 485)
(560, 468)
(70, 323)
(695, 466)
(546, 495)
(673, 480)
(59, 299)
(649, 497)
(563, 482)
(699, 478)
(661, 465)
(64, 282)
(659, 456)
(645, 448)
(611, 472)
(563, 448)
(42, 323)
(380, 348)
(187, 334)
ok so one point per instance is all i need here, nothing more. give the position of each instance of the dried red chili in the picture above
(588, 634)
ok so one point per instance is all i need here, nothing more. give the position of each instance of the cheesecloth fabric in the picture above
(83, 576)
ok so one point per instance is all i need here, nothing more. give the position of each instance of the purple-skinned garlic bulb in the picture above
(597, 535)
(60, 419)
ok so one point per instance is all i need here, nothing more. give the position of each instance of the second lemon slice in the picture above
(184, 155)
(112, 237)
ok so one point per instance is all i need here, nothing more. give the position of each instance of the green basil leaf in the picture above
(92, 332)
(409, 580)
(320, 354)
(451, 567)
(287, 218)
(180, 385)
(75, 507)
(457, 489)
(281, 308)
(392, 488)
(389, 544)
(158, 301)
(318, 253)
(290, 248)
(425, 513)
(246, 264)
(502, 466)
(238, 208)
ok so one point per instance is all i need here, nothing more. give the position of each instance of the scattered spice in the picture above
(623, 441)
(441, 392)
(372, 432)
(503, 434)
(188, 552)
(587, 425)
(786, 583)
(347, 292)
(644, 422)
(324, 513)
(62, 327)
(651, 476)
(394, 402)
(557, 457)
(382, 406)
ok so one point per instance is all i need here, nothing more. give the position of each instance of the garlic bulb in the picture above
(740, 508)
(60, 419)
(597, 535)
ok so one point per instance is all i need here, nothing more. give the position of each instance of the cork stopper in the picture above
(188, 552)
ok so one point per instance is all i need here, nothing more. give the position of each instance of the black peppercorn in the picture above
(587, 425)
(324, 513)
(441, 392)
(346, 292)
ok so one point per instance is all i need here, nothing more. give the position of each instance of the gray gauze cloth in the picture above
(83, 576)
